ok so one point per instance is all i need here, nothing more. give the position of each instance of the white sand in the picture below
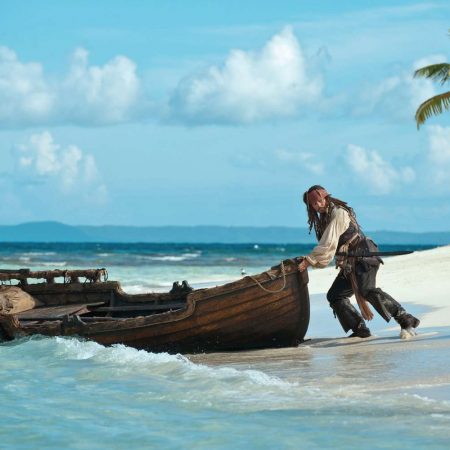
(377, 371)
(422, 278)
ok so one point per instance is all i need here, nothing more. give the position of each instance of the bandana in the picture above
(316, 195)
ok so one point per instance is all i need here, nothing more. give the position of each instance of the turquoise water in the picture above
(67, 393)
(64, 393)
(144, 267)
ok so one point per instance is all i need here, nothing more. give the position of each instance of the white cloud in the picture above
(399, 95)
(429, 60)
(70, 166)
(393, 96)
(250, 86)
(439, 153)
(24, 93)
(376, 173)
(105, 94)
(90, 169)
(87, 95)
(65, 170)
(44, 154)
(304, 160)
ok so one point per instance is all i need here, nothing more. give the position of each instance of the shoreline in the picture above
(421, 278)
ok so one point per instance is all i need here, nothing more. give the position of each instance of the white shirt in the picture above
(324, 251)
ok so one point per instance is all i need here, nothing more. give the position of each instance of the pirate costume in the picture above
(339, 232)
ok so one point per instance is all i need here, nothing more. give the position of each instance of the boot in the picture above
(407, 321)
(383, 303)
(348, 316)
(361, 331)
(408, 324)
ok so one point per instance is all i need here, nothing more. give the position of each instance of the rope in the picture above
(276, 290)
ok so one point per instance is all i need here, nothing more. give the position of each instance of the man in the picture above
(337, 230)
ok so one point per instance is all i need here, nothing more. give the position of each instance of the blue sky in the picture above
(214, 113)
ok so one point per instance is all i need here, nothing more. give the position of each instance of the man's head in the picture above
(316, 198)
(318, 203)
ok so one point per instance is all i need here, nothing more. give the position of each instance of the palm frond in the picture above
(432, 107)
(437, 72)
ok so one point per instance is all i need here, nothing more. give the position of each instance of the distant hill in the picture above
(42, 232)
(59, 232)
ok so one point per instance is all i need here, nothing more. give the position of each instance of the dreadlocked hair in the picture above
(320, 221)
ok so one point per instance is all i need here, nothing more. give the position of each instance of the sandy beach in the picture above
(421, 278)
(384, 363)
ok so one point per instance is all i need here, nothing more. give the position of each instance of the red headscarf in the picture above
(316, 195)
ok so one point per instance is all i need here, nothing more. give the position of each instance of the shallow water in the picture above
(328, 393)
(380, 393)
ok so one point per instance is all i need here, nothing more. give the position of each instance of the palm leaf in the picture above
(432, 107)
(437, 72)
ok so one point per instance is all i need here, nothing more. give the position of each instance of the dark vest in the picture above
(349, 233)
(362, 243)
(352, 229)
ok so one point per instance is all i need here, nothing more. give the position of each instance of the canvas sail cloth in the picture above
(14, 300)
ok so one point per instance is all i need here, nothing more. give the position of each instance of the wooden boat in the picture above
(266, 310)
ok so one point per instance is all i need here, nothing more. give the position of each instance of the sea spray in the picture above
(65, 391)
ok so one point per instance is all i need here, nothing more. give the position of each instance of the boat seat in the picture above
(57, 312)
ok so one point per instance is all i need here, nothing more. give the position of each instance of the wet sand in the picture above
(379, 364)
(382, 363)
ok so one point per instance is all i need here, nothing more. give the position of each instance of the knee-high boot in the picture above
(388, 307)
(348, 316)
(384, 304)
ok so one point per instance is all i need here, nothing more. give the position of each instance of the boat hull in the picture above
(268, 310)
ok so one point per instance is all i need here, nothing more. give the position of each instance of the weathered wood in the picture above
(93, 275)
(9, 327)
(249, 313)
(140, 308)
(58, 293)
(56, 312)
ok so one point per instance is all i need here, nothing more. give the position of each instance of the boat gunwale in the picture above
(163, 322)
(144, 321)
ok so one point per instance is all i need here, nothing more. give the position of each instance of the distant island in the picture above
(59, 232)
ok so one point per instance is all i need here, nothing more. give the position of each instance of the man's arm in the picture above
(324, 251)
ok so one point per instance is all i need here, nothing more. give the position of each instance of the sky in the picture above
(221, 113)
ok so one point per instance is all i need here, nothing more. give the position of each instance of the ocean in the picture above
(75, 394)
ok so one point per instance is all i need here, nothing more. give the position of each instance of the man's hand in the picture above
(303, 265)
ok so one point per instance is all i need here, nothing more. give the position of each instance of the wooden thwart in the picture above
(56, 312)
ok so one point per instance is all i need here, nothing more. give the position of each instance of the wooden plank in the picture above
(56, 312)
(163, 306)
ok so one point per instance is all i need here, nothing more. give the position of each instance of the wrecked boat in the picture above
(270, 309)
